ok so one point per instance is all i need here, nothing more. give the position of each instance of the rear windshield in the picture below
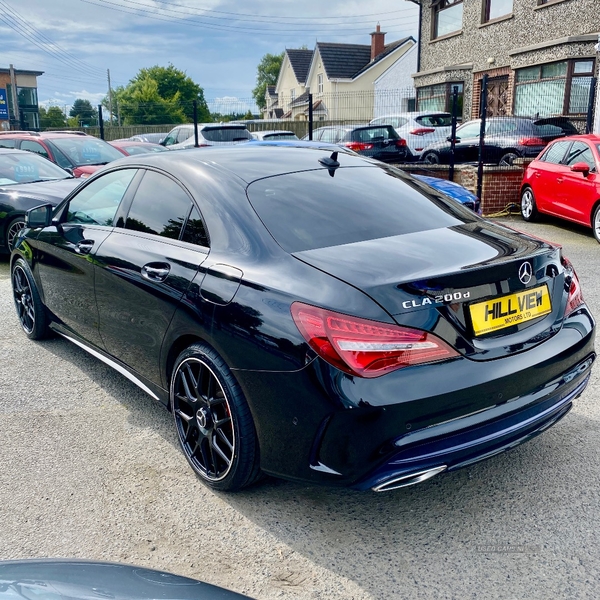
(442, 120)
(312, 209)
(374, 134)
(280, 136)
(226, 134)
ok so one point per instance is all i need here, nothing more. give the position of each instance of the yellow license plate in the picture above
(513, 309)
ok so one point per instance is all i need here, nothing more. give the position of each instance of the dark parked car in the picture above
(129, 147)
(564, 181)
(373, 141)
(74, 151)
(506, 138)
(311, 315)
(27, 180)
(70, 579)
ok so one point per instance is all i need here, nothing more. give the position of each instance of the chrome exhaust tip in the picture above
(395, 483)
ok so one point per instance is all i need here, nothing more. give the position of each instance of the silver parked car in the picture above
(274, 134)
(209, 134)
(419, 129)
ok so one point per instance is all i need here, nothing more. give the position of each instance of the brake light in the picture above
(358, 146)
(575, 298)
(532, 141)
(363, 347)
(422, 131)
(401, 143)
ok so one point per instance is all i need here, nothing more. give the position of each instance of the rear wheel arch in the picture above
(177, 347)
(595, 216)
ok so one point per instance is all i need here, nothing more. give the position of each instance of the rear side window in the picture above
(435, 120)
(374, 134)
(7, 143)
(195, 230)
(226, 134)
(309, 210)
(185, 133)
(160, 206)
(34, 147)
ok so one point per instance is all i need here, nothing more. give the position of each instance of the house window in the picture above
(447, 17)
(494, 9)
(320, 83)
(293, 94)
(439, 97)
(560, 88)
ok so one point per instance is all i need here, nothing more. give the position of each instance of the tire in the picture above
(508, 159)
(431, 158)
(30, 310)
(529, 210)
(213, 421)
(13, 230)
(596, 223)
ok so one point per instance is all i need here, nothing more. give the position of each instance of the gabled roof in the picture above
(301, 99)
(300, 60)
(347, 61)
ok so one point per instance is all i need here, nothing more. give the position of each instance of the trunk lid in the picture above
(433, 280)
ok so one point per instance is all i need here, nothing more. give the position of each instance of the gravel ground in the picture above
(90, 468)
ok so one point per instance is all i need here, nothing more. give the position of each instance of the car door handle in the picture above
(559, 180)
(537, 174)
(156, 271)
(84, 246)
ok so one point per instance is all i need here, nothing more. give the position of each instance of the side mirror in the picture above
(581, 167)
(449, 139)
(40, 216)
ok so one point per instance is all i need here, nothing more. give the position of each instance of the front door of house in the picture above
(497, 97)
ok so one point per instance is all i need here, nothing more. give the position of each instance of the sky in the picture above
(218, 43)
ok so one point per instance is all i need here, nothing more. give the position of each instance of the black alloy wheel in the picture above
(12, 232)
(508, 159)
(213, 421)
(30, 310)
(431, 158)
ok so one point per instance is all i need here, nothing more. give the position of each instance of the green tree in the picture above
(52, 117)
(140, 103)
(84, 112)
(158, 93)
(266, 74)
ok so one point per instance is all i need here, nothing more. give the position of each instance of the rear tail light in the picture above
(532, 141)
(575, 298)
(401, 143)
(358, 146)
(366, 348)
(422, 131)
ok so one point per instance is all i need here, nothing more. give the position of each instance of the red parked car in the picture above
(76, 152)
(563, 181)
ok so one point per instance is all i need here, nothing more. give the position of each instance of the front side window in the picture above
(469, 130)
(447, 17)
(494, 9)
(560, 88)
(160, 206)
(97, 203)
(580, 152)
(171, 138)
(555, 153)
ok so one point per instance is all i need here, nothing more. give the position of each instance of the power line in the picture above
(220, 27)
(27, 30)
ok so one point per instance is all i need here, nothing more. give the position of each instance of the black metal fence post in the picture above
(589, 124)
(453, 132)
(101, 121)
(310, 117)
(196, 124)
(483, 117)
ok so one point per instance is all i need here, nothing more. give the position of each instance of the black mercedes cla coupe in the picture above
(309, 314)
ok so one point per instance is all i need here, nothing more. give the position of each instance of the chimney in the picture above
(377, 42)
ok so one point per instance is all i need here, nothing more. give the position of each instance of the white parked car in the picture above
(419, 129)
(209, 134)
(273, 135)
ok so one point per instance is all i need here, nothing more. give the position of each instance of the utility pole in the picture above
(110, 104)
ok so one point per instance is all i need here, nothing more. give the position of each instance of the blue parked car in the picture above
(454, 190)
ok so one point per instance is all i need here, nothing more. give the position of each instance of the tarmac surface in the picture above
(90, 468)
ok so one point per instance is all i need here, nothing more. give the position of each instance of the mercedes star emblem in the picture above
(525, 273)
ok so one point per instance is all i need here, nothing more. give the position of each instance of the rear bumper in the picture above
(468, 445)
